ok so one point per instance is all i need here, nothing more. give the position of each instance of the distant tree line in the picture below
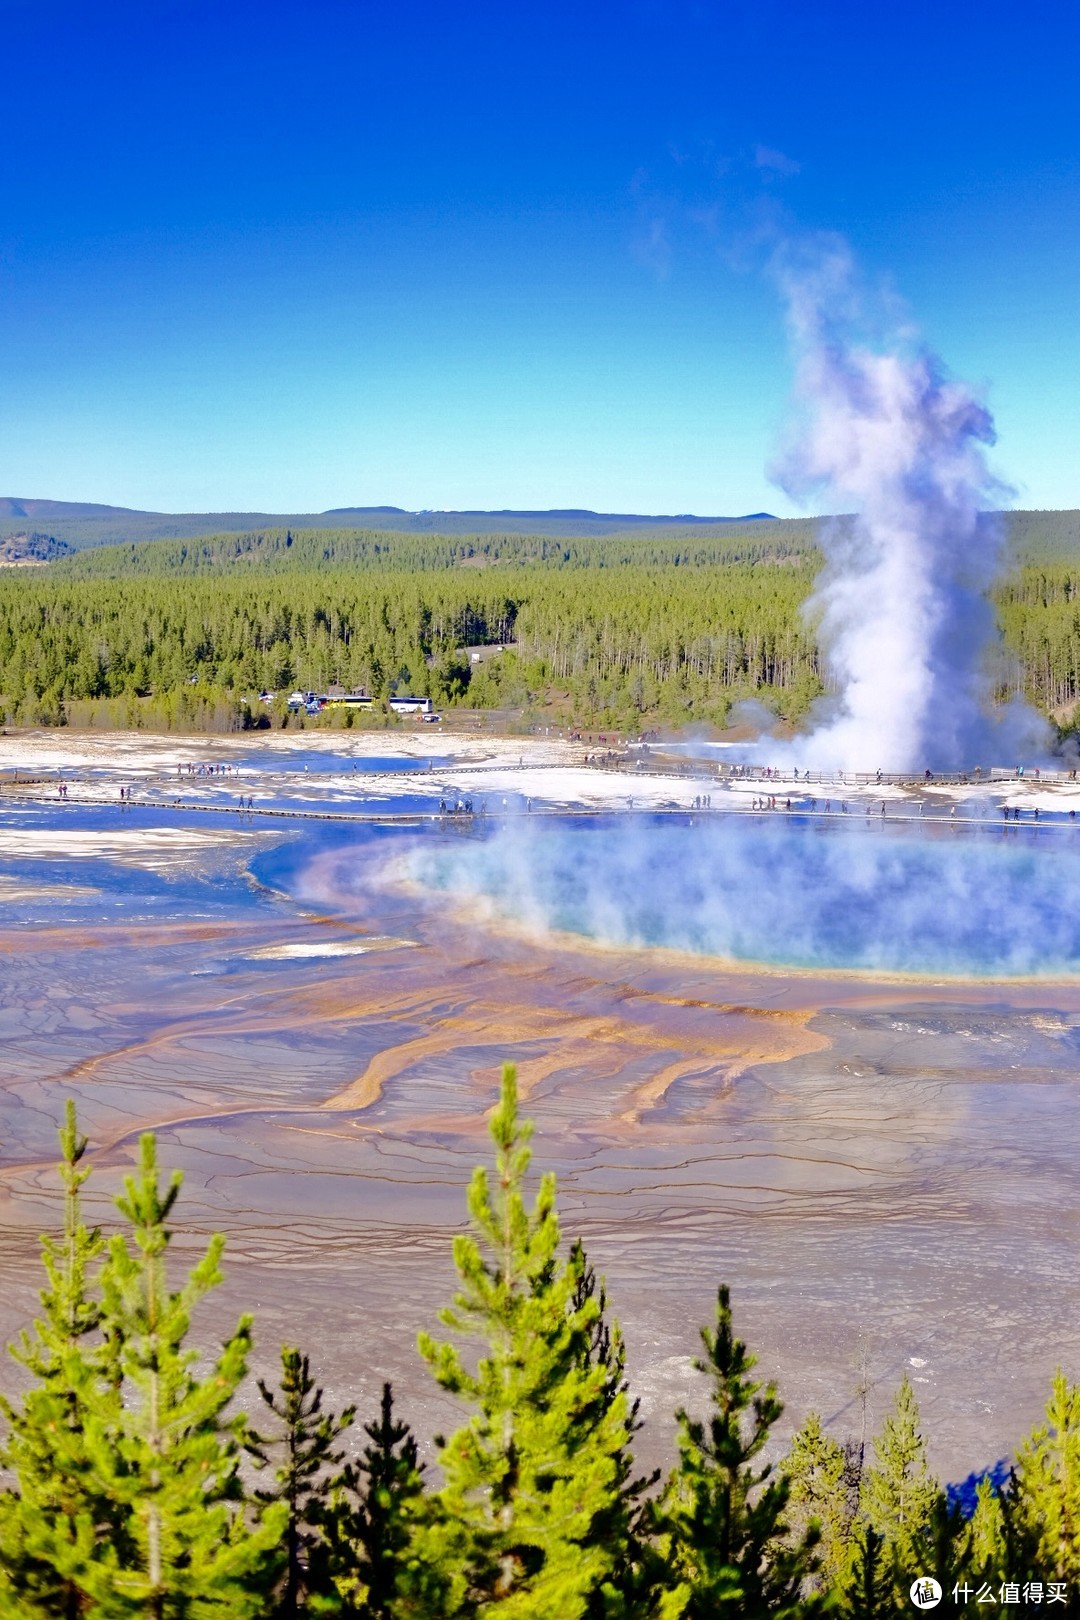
(411, 542)
(134, 1485)
(1039, 611)
(678, 642)
(624, 631)
(302, 550)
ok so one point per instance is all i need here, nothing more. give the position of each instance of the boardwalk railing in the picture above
(726, 772)
(698, 770)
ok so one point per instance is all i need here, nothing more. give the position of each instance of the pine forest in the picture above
(623, 631)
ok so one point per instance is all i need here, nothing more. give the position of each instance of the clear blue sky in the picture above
(294, 256)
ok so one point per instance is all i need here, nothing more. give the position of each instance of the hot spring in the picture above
(950, 901)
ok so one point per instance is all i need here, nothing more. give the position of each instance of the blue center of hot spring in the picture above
(972, 903)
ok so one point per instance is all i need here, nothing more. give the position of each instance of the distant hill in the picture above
(29, 548)
(82, 523)
(12, 507)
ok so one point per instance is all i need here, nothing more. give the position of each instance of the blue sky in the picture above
(286, 257)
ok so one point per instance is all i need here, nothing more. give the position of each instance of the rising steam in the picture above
(852, 895)
(907, 633)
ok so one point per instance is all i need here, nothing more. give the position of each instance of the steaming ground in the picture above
(887, 899)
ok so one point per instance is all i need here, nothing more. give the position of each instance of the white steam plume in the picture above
(904, 623)
(851, 892)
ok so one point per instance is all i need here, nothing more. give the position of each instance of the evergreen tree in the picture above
(725, 1519)
(995, 1546)
(51, 1521)
(534, 1475)
(166, 1457)
(638, 1578)
(1047, 1495)
(369, 1525)
(948, 1544)
(988, 1539)
(305, 1445)
(823, 1482)
(899, 1494)
(869, 1590)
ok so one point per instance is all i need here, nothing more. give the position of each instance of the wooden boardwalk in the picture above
(859, 812)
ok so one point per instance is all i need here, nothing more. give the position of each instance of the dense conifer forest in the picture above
(134, 1482)
(296, 550)
(624, 630)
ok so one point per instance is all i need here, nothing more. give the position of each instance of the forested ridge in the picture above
(296, 550)
(135, 1484)
(1030, 537)
(620, 630)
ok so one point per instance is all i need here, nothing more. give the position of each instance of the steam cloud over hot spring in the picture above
(774, 891)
